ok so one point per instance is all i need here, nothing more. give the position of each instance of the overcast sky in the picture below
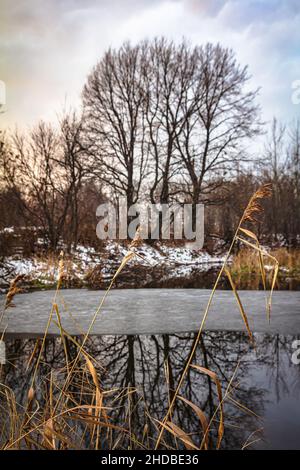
(47, 47)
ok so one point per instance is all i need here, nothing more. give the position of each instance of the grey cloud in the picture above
(47, 47)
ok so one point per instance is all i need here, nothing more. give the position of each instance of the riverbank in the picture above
(155, 266)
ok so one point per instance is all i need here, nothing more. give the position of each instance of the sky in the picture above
(48, 47)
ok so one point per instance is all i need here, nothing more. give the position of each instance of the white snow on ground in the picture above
(7, 230)
(188, 256)
(33, 268)
(85, 259)
(22, 266)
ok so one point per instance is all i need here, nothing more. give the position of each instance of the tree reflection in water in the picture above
(150, 367)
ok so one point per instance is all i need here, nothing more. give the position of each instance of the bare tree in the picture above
(184, 111)
(224, 114)
(294, 156)
(290, 188)
(75, 163)
(170, 103)
(113, 100)
(35, 174)
(274, 164)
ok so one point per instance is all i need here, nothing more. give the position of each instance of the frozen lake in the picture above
(151, 311)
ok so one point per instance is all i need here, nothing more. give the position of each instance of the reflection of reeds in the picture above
(73, 408)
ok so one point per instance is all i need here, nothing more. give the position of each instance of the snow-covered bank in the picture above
(153, 266)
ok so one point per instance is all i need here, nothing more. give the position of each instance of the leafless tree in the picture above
(75, 163)
(294, 156)
(290, 192)
(224, 114)
(38, 180)
(113, 100)
(274, 164)
(181, 112)
(170, 104)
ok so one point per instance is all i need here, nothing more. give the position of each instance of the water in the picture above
(262, 409)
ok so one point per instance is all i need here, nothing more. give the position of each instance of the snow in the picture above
(7, 230)
(23, 266)
(85, 259)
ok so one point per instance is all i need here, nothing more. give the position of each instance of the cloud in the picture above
(266, 36)
(48, 47)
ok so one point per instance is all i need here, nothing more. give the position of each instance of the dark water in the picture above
(261, 411)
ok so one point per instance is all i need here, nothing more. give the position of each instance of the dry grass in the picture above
(68, 409)
(246, 271)
(287, 258)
